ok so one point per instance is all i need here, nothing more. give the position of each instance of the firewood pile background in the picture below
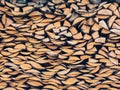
(59, 45)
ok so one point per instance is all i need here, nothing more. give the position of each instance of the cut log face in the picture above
(116, 31)
(111, 20)
(105, 12)
(59, 44)
(103, 24)
(78, 20)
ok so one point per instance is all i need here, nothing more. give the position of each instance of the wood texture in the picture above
(59, 45)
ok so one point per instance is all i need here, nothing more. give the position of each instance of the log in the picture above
(105, 12)
(95, 27)
(25, 66)
(111, 20)
(116, 31)
(100, 39)
(9, 88)
(78, 20)
(70, 81)
(73, 30)
(34, 83)
(103, 24)
(78, 36)
(95, 35)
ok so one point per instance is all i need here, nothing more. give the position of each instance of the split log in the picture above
(105, 12)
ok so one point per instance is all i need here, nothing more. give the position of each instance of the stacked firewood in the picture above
(59, 45)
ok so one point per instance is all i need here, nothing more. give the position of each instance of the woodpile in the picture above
(59, 45)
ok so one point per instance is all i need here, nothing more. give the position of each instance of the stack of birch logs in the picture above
(59, 45)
